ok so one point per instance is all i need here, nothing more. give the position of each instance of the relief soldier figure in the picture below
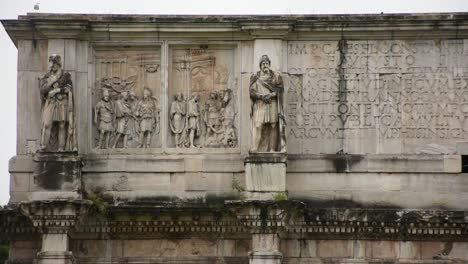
(212, 119)
(123, 114)
(133, 129)
(177, 117)
(268, 123)
(147, 112)
(57, 121)
(193, 118)
(104, 117)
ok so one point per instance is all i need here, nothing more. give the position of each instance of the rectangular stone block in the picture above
(265, 242)
(29, 113)
(134, 164)
(385, 249)
(201, 181)
(24, 249)
(226, 248)
(334, 248)
(308, 248)
(431, 249)
(410, 250)
(290, 248)
(32, 55)
(19, 182)
(265, 177)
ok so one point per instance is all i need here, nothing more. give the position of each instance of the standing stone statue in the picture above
(268, 123)
(123, 114)
(177, 116)
(57, 121)
(147, 111)
(193, 115)
(104, 117)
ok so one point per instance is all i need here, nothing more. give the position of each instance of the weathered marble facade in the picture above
(375, 111)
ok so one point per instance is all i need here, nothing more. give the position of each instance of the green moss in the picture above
(280, 196)
(236, 185)
(4, 249)
(100, 206)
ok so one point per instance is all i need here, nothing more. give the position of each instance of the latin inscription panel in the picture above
(377, 96)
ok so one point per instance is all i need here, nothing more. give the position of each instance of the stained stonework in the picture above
(402, 96)
(160, 161)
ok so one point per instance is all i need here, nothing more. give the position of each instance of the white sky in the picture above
(10, 9)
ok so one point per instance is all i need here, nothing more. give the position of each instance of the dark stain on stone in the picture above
(57, 172)
(344, 162)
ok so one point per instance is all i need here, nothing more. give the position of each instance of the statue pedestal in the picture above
(55, 257)
(266, 172)
(57, 175)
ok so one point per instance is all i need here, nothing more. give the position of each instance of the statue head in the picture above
(105, 95)
(213, 95)
(181, 97)
(195, 97)
(146, 93)
(55, 62)
(264, 63)
(132, 95)
(124, 95)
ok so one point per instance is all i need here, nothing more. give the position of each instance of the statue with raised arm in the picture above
(57, 111)
(268, 123)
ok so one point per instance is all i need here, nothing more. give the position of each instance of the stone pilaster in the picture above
(54, 220)
(265, 249)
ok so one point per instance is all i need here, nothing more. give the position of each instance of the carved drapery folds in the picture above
(201, 105)
(57, 109)
(126, 111)
(203, 94)
(268, 123)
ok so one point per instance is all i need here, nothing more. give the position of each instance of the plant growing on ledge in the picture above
(100, 206)
(280, 196)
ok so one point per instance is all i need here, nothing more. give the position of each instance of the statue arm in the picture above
(254, 95)
(45, 86)
(96, 109)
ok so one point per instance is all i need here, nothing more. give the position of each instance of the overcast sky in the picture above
(10, 9)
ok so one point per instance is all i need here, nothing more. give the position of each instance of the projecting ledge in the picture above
(390, 163)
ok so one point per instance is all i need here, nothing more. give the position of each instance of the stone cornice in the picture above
(242, 27)
(288, 218)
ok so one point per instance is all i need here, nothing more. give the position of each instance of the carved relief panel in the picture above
(127, 98)
(203, 96)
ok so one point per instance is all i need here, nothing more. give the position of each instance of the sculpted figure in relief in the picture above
(104, 117)
(122, 114)
(57, 120)
(193, 118)
(229, 138)
(147, 112)
(268, 123)
(212, 119)
(133, 124)
(177, 118)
